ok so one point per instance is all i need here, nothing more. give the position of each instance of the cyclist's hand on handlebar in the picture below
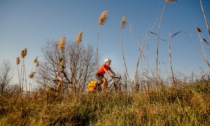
(112, 76)
(117, 76)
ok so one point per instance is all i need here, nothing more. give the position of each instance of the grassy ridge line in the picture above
(188, 105)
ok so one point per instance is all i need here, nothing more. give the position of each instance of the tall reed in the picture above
(122, 26)
(61, 43)
(204, 15)
(101, 21)
(198, 30)
(61, 47)
(18, 63)
(169, 54)
(170, 59)
(140, 55)
(157, 44)
(23, 69)
(31, 76)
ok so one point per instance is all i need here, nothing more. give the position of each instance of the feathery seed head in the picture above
(36, 59)
(123, 22)
(23, 53)
(31, 75)
(25, 50)
(61, 63)
(61, 43)
(79, 38)
(170, 1)
(60, 59)
(198, 30)
(103, 17)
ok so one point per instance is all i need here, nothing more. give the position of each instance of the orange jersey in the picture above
(101, 70)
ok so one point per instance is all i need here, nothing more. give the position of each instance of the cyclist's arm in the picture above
(59, 78)
(107, 73)
(113, 72)
(67, 78)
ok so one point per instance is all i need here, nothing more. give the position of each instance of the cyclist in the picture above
(105, 68)
(60, 77)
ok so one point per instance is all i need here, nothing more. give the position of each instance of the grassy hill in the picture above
(187, 105)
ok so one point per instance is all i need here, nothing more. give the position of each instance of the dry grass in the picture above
(188, 105)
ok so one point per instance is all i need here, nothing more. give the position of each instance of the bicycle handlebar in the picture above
(115, 78)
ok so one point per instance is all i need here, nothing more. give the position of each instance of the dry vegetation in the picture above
(188, 105)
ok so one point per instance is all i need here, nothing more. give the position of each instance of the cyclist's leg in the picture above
(99, 79)
(104, 84)
(59, 85)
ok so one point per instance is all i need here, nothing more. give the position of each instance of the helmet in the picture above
(107, 59)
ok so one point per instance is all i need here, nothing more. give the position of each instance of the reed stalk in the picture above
(140, 55)
(204, 15)
(102, 19)
(204, 54)
(157, 45)
(122, 25)
(170, 59)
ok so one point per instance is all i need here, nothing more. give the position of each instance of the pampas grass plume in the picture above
(61, 63)
(36, 59)
(31, 75)
(198, 30)
(60, 59)
(169, 1)
(23, 53)
(79, 38)
(103, 17)
(123, 22)
(61, 43)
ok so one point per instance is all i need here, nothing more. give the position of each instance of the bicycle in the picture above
(58, 87)
(114, 85)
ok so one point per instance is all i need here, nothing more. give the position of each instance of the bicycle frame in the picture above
(114, 82)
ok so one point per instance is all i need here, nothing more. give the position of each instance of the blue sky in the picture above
(32, 23)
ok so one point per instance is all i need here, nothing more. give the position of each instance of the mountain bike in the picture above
(114, 85)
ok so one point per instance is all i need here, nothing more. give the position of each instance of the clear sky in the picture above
(31, 23)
